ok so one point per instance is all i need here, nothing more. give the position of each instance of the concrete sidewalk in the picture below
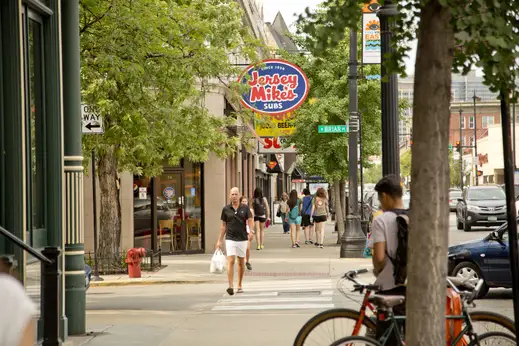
(278, 258)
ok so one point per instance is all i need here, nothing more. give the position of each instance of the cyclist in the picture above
(384, 242)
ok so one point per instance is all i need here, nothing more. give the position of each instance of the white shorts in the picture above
(236, 248)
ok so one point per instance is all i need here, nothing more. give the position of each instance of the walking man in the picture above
(235, 217)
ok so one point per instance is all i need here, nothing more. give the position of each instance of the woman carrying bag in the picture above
(294, 218)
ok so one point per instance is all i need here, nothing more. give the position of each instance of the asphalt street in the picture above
(272, 309)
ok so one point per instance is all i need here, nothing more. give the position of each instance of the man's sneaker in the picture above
(249, 267)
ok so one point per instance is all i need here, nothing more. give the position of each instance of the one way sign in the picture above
(91, 119)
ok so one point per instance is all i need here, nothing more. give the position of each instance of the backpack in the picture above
(294, 212)
(259, 207)
(400, 259)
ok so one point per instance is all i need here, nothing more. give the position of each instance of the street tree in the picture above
(146, 66)
(452, 36)
(326, 154)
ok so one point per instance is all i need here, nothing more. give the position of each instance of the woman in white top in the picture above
(17, 312)
(244, 200)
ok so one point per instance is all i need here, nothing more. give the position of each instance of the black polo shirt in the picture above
(236, 222)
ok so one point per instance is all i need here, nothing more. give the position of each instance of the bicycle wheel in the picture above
(331, 325)
(494, 339)
(484, 322)
(356, 341)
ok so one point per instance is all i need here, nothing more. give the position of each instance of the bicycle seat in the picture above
(386, 301)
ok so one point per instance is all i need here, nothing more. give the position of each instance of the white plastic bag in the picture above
(218, 262)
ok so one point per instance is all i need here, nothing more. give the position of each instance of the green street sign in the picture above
(450, 146)
(332, 129)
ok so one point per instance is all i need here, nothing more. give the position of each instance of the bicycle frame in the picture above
(365, 305)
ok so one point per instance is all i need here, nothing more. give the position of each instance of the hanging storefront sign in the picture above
(272, 145)
(275, 87)
(275, 125)
(371, 46)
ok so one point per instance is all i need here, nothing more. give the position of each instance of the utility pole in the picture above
(461, 148)
(353, 239)
(389, 91)
(475, 98)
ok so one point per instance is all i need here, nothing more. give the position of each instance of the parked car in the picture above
(481, 206)
(486, 258)
(453, 198)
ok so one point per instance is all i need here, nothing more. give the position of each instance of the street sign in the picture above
(332, 129)
(91, 119)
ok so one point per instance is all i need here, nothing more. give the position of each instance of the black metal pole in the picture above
(389, 92)
(513, 139)
(94, 205)
(361, 169)
(353, 240)
(476, 182)
(51, 294)
(461, 148)
(510, 205)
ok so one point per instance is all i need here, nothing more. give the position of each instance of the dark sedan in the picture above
(486, 258)
(481, 206)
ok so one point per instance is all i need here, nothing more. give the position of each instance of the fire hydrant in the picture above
(134, 258)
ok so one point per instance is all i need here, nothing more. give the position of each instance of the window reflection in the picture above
(193, 204)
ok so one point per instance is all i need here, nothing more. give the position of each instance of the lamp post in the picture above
(476, 178)
(461, 148)
(389, 92)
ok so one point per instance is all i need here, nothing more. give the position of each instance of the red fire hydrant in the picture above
(134, 258)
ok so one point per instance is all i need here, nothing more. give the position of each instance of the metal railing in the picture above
(50, 287)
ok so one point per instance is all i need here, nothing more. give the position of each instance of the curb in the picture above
(149, 282)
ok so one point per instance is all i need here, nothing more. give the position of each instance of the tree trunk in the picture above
(110, 215)
(429, 216)
(339, 216)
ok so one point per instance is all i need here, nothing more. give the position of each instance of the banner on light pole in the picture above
(371, 46)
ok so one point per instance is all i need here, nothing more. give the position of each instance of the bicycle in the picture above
(364, 321)
(385, 305)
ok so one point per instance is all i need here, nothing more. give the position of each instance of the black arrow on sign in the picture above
(90, 126)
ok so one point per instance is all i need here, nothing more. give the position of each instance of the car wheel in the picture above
(466, 227)
(470, 271)
(460, 224)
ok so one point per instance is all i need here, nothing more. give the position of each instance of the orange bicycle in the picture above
(331, 325)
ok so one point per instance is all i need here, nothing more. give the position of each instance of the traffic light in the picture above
(480, 173)
(458, 146)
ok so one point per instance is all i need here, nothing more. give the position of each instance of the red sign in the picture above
(272, 164)
(275, 145)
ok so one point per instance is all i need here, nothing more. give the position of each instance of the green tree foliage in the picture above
(372, 174)
(405, 164)
(146, 66)
(452, 36)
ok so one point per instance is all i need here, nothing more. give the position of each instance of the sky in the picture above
(289, 7)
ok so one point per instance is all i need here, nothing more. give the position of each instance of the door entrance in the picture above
(171, 212)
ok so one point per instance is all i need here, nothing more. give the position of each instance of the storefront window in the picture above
(35, 127)
(193, 204)
(142, 211)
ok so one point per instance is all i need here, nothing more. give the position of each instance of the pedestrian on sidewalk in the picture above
(245, 201)
(235, 217)
(294, 217)
(261, 209)
(284, 210)
(321, 211)
(306, 221)
(17, 320)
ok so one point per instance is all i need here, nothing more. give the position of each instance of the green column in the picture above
(75, 299)
(54, 143)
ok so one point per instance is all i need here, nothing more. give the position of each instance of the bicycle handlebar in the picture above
(358, 285)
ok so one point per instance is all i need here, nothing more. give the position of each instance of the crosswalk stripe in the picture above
(279, 282)
(288, 288)
(273, 307)
(280, 300)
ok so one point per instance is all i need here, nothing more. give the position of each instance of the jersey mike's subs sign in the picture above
(275, 87)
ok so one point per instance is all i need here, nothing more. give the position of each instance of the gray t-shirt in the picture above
(17, 310)
(384, 229)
